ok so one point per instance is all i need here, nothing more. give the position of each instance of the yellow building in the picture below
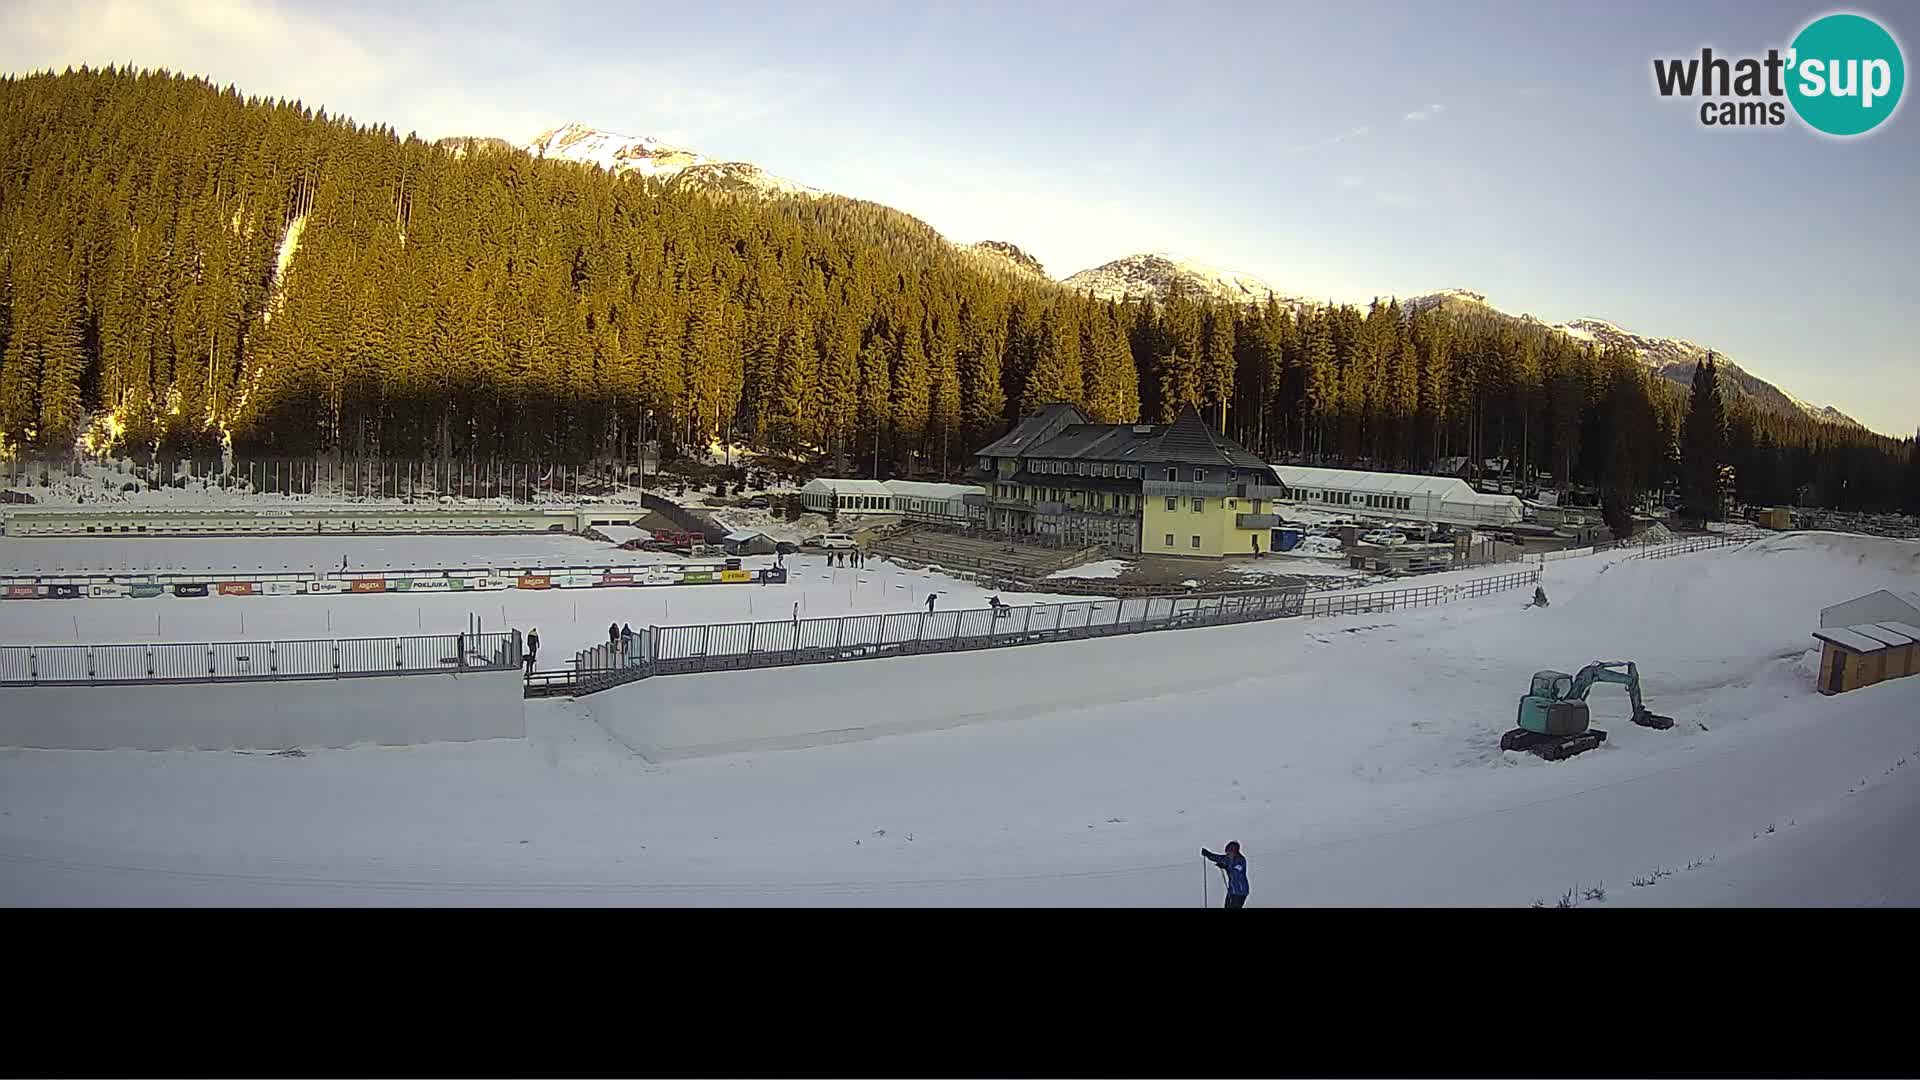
(1180, 489)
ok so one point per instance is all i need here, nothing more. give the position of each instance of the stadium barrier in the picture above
(257, 661)
(681, 650)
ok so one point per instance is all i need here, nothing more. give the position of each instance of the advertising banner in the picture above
(109, 589)
(616, 579)
(530, 581)
(63, 592)
(735, 576)
(23, 592)
(146, 590)
(575, 581)
(492, 583)
(428, 584)
(326, 585)
(281, 588)
(236, 588)
(696, 577)
(197, 588)
(661, 576)
(370, 585)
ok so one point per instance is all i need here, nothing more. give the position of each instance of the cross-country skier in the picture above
(1234, 865)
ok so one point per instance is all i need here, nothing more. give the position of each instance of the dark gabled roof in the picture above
(1038, 426)
(1061, 432)
(1188, 440)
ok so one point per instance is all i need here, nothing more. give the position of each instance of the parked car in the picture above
(1383, 538)
(829, 541)
(759, 502)
(786, 547)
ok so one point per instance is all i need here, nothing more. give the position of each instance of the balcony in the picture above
(1256, 521)
(1236, 490)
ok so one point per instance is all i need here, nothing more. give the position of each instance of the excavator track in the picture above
(1652, 720)
(1552, 747)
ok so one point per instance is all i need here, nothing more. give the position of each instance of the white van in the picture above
(829, 540)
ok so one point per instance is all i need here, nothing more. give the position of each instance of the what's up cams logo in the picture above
(1842, 75)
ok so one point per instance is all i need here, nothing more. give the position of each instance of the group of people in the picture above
(854, 557)
(620, 637)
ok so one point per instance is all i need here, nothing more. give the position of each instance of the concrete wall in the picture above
(683, 716)
(387, 710)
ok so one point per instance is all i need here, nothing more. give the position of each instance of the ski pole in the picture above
(1206, 898)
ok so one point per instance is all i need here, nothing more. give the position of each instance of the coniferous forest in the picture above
(181, 265)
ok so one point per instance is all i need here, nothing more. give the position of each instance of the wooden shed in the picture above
(1774, 517)
(1866, 653)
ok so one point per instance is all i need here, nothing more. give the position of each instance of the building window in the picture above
(1173, 474)
(1169, 540)
(1196, 541)
(1230, 504)
(1199, 475)
(1199, 506)
(1173, 503)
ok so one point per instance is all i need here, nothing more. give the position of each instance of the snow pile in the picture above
(1284, 567)
(1654, 534)
(1106, 568)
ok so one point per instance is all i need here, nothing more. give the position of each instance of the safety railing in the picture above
(243, 661)
(1690, 545)
(680, 650)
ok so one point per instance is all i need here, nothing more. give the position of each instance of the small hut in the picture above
(1866, 653)
(749, 543)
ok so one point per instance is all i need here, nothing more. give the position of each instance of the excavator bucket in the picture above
(1652, 720)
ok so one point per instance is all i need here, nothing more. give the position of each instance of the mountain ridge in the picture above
(1143, 275)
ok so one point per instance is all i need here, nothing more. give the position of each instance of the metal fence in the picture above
(680, 650)
(1690, 545)
(240, 661)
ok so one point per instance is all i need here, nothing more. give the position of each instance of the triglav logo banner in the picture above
(1842, 75)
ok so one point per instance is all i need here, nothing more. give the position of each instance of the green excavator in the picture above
(1553, 714)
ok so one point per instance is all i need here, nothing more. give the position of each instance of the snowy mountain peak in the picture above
(1010, 256)
(1154, 275)
(648, 156)
(612, 151)
(1673, 359)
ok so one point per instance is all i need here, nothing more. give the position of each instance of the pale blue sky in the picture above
(1299, 142)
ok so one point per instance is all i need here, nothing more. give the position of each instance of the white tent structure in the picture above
(938, 500)
(1397, 496)
(1886, 605)
(848, 496)
(887, 497)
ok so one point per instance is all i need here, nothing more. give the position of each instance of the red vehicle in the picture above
(675, 539)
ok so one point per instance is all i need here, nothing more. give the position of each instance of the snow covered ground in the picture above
(1105, 568)
(321, 554)
(1283, 566)
(1355, 759)
(568, 619)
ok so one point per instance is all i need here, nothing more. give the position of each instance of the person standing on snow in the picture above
(613, 635)
(1234, 865)
(929, 603)
(533, 647)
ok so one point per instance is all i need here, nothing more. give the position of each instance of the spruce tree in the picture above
(1701, 441)
(1913, 475)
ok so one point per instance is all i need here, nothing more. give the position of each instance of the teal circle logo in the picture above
(1845, 74)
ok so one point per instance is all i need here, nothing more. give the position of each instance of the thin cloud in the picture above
(1351, 133)
(1421, 114)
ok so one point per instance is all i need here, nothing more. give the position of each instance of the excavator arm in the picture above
(1624, 673)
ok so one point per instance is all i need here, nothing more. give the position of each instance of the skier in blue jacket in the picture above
(1235, 866)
